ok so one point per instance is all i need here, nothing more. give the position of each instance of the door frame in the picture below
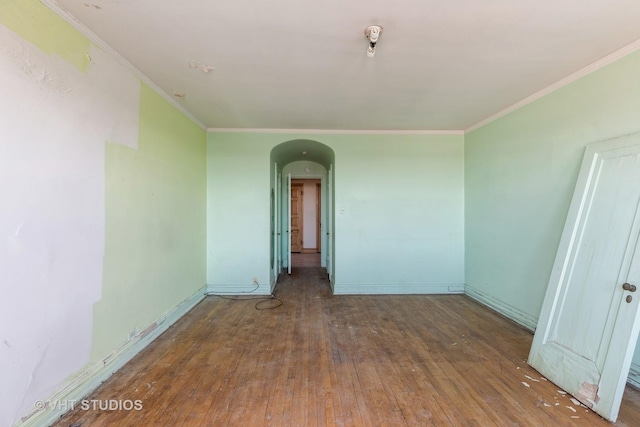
(318, 212)
(289, 223)
(286, 210)
(319, 217)
(276, 268)
(301, 150)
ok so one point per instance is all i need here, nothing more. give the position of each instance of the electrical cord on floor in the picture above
(278, 303)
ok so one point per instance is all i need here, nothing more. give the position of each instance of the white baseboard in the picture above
(237, 290)
(88, 379)
(634, 376)
(520, 317)
(397, 289)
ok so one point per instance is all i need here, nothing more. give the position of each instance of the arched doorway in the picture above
(301, 159)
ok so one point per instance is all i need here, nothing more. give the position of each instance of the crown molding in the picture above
(603, 62)
(336, 131)
(93, 37)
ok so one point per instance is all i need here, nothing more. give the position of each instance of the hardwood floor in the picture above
(324, 360)
(305, 260)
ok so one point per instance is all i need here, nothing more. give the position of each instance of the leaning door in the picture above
(588, 325)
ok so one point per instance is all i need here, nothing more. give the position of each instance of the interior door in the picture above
(296, 217)
(318, 216)
(276, 231)
(289, 223)
(589, 325)
(329, 250)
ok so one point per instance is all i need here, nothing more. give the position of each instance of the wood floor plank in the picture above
(326, 360)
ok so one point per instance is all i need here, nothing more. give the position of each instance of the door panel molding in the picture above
(587, 332)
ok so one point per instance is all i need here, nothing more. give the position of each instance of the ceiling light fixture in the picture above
(372, 32)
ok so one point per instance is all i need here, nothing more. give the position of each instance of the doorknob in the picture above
(628, 287)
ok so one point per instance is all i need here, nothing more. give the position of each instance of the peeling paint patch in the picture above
(525, 384)
(38, 24)
(149, 329)
(532, 379)
(588, 394)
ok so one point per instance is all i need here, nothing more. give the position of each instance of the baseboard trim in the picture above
(237, 290)
(634, 376)
(397, 289)
(88, 379)
(520, 317)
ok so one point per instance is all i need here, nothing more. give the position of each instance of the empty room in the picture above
(319, 214)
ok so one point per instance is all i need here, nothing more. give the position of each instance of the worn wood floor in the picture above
(305, 260)
(324, 360)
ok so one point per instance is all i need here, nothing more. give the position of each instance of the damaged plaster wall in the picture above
(155, 224)
(520, 174)
(62, 101)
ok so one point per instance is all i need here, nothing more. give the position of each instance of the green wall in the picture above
(40, 26)
(520, 171)
(155, 223)
(402, 198)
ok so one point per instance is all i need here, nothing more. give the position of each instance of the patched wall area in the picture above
(63, 102)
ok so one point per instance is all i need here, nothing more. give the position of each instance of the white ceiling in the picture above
(301, 64)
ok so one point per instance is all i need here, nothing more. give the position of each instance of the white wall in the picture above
(85, 189)
(309, 209)
(52, 220)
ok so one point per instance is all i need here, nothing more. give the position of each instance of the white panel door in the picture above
(330, 223)
(289, 223)
(589, 325)
(276, 231)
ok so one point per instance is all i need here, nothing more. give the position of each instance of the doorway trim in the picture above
(310, 151)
